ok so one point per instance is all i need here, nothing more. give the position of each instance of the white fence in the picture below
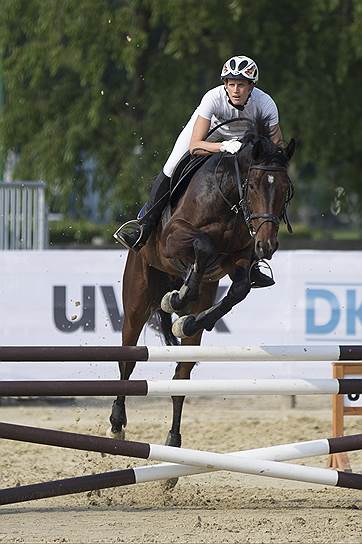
(23, 222)
(60, 298)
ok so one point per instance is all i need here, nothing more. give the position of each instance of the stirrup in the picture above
(266, 281)
(130, 234)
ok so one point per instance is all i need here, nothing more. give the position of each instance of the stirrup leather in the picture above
(132, 229)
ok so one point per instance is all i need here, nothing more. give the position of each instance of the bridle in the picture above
(242, 205)
(243, 186)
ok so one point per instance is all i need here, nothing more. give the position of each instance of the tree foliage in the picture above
(110, 83)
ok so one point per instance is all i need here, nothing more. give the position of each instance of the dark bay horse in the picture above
(226, 220)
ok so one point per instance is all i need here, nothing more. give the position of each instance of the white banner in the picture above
(74, 298)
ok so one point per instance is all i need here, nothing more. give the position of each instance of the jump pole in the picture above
(203, 459)
(166, 388)
(165, 471)
(181, 353)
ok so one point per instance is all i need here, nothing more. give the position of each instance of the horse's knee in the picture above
(204, 248)
(239, 290)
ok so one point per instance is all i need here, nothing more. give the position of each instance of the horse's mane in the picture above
(259, 131)
(258, 128)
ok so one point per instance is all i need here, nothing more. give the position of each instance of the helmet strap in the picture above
(240, 108)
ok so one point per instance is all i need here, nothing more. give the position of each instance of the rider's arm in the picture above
(201, 129)
(276, 135)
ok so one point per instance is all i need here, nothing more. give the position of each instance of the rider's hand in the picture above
(230, 146)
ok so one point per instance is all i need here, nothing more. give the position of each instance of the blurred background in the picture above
(93, 94)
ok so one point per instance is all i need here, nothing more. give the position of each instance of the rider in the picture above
(237, 97)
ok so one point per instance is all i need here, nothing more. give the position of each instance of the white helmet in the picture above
(240, 67)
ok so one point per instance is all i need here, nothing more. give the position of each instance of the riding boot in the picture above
(134, 234)
(259, 279)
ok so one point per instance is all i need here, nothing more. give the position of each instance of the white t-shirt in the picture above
(216, 107)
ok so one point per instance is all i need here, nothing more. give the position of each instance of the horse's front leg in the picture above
(177, 301)
(189, 325)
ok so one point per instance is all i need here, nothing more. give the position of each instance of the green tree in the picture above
(2, 149)
(114, 81)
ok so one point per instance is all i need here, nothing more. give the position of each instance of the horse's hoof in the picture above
(118, 435)
(166, 302)
(178, 327)
(173, 439)
(168, 485)
(184, 326)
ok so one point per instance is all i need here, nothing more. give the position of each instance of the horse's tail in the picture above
(164, 325)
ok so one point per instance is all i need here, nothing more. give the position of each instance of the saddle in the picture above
(185, 169)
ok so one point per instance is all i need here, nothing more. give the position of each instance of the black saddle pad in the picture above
(185, 169)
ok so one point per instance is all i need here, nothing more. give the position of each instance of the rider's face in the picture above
(238, 90)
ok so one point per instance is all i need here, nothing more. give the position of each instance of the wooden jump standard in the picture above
(247, 462)
(162, 388)
(181, 353)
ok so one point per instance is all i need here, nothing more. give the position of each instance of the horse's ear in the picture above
(289, 151)
(257, 150)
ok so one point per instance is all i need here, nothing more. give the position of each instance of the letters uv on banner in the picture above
(74, 297)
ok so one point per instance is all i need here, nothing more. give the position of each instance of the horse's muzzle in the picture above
(264, 249)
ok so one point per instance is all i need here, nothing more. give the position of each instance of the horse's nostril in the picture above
(270, 246)
(259, 249)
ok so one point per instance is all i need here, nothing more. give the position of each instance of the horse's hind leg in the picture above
(177, 301)
(137, 308)
(183, 371)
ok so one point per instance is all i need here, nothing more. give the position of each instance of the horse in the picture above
(226, 220)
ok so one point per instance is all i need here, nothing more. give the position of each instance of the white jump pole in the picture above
(243, 464)
(203, 459)
(163, 388)
(240, 462)
(182, 353)
(253, 353)
(282, 452)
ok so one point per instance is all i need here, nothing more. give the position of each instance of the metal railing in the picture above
(23, 217)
